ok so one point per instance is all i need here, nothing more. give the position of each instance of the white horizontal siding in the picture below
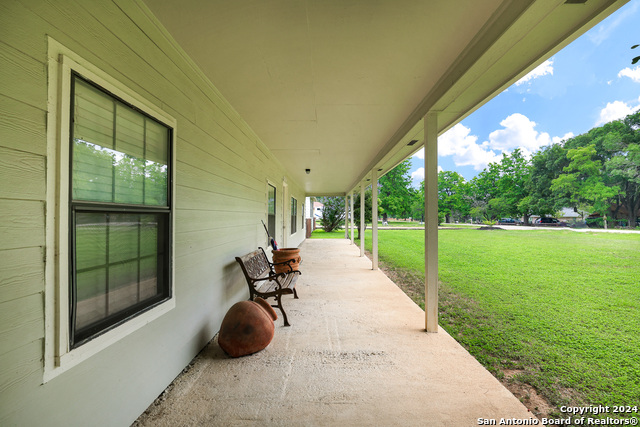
(221, 174)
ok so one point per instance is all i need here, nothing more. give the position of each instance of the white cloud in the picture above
(458, 142)
(518, 132)
(615, 110)
(633, 74)
(541, 70)
(559, 139)
(418, 174)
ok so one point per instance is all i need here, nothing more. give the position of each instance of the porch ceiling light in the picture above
(308, 171)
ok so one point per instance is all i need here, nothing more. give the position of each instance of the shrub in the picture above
(332, 213)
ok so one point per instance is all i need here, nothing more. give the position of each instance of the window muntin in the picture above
(119, 212)
(271, 210)
(294, 215)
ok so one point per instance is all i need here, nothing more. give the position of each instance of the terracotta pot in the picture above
(286, 254)
(247, 327)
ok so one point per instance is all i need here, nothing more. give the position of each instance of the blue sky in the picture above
(588, 83)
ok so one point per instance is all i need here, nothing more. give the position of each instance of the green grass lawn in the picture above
(557, 310)
(319, 233)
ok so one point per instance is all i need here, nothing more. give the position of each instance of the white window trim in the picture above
(58, 357)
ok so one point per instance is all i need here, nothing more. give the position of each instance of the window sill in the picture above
(74, 357)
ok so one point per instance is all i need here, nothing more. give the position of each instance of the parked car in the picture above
(509, 221)
(550, 222)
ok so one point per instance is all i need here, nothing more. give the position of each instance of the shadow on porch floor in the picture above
(356, 354)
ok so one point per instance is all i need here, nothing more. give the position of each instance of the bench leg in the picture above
(284, 315)
(295, 293)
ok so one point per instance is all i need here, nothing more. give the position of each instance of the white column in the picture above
(352, 216)
(431, 221)
(346, 216)
(374, 217)
(362, 223)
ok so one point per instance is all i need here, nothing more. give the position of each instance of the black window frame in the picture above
(164, 242)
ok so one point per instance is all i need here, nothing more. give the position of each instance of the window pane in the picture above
(116, 262)
(272, 201)
(123, 237)
(123, 286)
(294, 215)
(148, 278)
(129, 156)
(93, 115)
(271, 211)
(157, 159)
(148, 235)
(91, 240)
(92, 172)
(129, 132)
(119, 154)
(91, 267)
(157, 137)
(91, 297)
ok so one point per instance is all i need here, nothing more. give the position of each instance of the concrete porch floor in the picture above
(356, 354)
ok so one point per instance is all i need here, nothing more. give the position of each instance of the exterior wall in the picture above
(222, 170)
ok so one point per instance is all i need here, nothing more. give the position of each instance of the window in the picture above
(119, 211)
(294, 214)
(271, 210)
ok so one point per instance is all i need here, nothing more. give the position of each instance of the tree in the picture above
(395, 191)
(451, 191)
(482, 188)
(332, 213)
(546, 165)
(609, 155)
(623, 165)
(584, 181)
(514, 172)
(417, 204)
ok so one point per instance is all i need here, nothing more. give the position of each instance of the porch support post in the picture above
(374, 217)
(431, 221)
(363, 225)
(346, 216)
(352, 219)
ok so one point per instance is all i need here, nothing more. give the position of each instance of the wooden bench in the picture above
(264, 282)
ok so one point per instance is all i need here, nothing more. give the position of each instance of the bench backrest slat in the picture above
(254, 264)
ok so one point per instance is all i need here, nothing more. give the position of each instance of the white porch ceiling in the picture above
(340, 86)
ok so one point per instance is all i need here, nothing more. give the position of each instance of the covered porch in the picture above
(356, 354)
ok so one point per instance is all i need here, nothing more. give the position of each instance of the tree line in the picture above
(596, 173)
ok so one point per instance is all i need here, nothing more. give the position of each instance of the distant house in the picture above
(566, 214)
(570, 215)
(317, 210)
